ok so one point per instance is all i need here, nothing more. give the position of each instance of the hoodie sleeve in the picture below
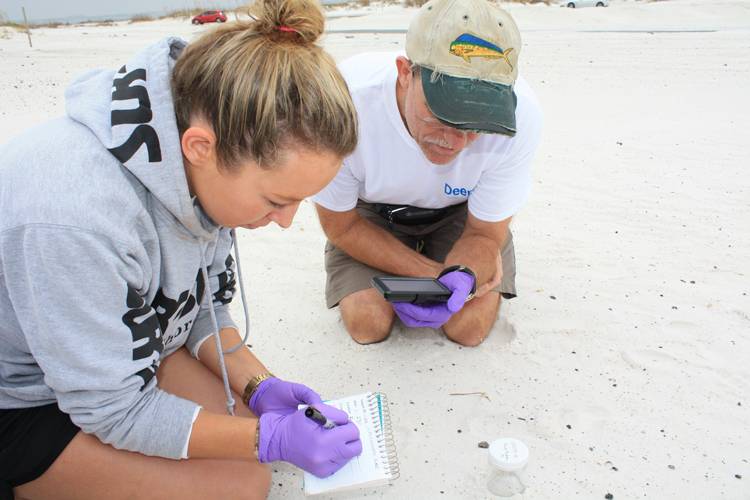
(221, 287)
(76, 296)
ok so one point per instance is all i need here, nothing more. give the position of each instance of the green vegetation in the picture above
(140, 18)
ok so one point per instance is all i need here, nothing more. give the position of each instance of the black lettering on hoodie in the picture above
(143, 324)
(151, 322)
(142, 134)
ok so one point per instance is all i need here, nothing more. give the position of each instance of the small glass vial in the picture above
(508, 458)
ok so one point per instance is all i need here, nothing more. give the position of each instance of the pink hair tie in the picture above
(286, 29)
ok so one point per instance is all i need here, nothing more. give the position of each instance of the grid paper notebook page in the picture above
(377, 465)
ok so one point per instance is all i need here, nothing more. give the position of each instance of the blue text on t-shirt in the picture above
(451, 191)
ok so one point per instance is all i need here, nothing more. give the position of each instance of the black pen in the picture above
(314, 414)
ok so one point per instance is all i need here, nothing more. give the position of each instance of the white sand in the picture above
(623, 363)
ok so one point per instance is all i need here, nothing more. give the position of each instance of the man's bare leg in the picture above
(367, 316)
(470, 326)
(88, 468)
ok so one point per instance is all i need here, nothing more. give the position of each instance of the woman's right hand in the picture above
(279, 396)
(303, 442)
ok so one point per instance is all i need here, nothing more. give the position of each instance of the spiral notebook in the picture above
(378, 464)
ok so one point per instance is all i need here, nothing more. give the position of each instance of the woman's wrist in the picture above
(253, 385)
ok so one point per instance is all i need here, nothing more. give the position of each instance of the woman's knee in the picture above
(226, 479)
(251, 481)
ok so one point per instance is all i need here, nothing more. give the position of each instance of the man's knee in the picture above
(469, 334)
(472, 325)
(367, 317)
(368, 328)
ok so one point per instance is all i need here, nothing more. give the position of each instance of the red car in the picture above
(210, 16)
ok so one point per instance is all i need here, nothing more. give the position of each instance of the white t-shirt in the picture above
(388, 166)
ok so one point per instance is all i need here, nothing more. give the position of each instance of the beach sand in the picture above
(620, 364)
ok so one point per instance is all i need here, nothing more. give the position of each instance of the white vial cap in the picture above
(508, 454)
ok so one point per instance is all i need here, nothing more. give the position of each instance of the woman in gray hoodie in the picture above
(116, 271)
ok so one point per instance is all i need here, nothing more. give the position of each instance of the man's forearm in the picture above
(477, 252)
(377, 248)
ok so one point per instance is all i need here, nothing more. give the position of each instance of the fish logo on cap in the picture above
(468, 46)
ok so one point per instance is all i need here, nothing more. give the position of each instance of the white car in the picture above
(584, 3)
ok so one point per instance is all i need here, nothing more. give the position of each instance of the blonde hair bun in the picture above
(293, 20)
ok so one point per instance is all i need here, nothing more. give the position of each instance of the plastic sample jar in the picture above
(508, 458)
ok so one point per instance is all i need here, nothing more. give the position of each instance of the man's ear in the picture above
(403, 66)
(199, 145)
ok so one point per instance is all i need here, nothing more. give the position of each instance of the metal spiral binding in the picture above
(386, 445)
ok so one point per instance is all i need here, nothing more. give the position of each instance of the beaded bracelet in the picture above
(257, 440)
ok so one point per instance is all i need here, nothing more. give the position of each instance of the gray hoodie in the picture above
(101, 248)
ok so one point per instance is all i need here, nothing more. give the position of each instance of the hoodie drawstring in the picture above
(212, 312)
(242, 295)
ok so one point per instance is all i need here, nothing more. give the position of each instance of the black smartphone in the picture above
(414, 290)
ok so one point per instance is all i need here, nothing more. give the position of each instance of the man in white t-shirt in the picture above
(447, 135)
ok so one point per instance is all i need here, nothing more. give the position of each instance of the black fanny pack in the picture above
(411, 216)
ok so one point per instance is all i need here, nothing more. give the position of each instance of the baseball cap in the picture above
(468, 54)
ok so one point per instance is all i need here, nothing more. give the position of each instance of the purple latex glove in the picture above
(436, 315)
(279, 396)
(301, 441)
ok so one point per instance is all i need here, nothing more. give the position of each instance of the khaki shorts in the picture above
(344, 275)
